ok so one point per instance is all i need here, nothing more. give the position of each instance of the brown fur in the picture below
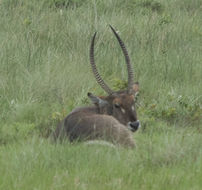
(112, 118)
(104, 122)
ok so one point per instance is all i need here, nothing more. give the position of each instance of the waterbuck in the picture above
(112, 117)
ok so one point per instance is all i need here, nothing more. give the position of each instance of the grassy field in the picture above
(45, 73)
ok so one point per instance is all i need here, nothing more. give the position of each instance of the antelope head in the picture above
(119, 104)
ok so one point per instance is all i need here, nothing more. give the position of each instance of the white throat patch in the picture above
(123, 110)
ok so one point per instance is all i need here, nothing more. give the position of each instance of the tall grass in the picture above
(164, 159)
(45, 73)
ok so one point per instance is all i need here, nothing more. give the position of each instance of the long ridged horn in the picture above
(129, 66)
(98, 78)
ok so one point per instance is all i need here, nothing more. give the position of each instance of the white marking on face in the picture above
(133, 108)
(123, 111)
(128, 125)
(139, 124)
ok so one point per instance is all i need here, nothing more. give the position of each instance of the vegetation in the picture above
(45, 73)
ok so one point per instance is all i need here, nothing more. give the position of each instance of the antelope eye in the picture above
(117, 105)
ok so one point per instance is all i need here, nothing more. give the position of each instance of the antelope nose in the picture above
(134, 126)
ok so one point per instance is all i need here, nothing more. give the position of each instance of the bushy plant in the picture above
(16, 131)
(176, 108)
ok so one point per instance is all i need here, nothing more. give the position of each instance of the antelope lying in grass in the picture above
(112, 118)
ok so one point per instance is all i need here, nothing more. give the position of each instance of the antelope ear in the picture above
(135, 88)
(96, 100)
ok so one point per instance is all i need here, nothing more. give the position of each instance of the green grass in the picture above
(45, 73)
(164, 159)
